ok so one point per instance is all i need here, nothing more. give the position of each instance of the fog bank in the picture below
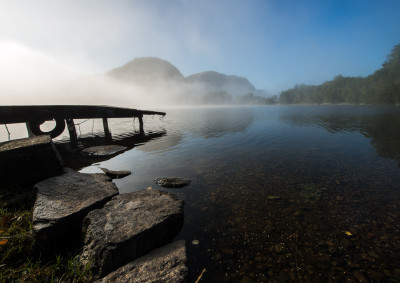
(30, 77)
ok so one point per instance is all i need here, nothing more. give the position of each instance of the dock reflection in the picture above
(74, 159)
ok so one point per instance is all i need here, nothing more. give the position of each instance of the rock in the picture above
(103, 150)
(217, 256)
(273, 197)
(129, 226)
(116, 174)
(245, 279)
(63, 201)
(68, 170)
(348, 245)
(172, 182)
(359, 276)
(373, 254)
(375, 275)
(283, 276)
(28, 161)
(279, 247)
(228, 251)
(166, 264)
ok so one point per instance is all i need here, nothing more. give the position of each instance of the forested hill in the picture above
(382, 87)
(159, 77)
(214, 82)
(147, 70)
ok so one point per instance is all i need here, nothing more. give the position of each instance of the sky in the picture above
(275, 44)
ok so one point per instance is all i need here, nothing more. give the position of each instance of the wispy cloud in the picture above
(275, 44)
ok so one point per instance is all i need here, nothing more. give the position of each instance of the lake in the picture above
(278, 192)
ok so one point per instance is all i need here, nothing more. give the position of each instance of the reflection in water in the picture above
(278, 193)
(161, 145)
(378, 123)
(215, 122)
(75, 160)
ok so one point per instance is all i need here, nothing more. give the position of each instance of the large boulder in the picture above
(166, 264)
(63, 201)
(127, 227)
(27, 161)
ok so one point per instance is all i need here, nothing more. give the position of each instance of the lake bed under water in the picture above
(278, 193)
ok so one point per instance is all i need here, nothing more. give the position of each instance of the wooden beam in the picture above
(107, 132)
(141, 124)
(73, 137)
(28, 128)
(22, 114)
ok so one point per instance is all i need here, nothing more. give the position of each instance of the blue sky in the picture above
(275, 44)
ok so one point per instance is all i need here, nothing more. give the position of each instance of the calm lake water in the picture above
(278, 193)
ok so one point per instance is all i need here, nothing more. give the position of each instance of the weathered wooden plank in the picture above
(22, 114)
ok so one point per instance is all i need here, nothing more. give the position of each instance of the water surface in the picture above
(278, 193)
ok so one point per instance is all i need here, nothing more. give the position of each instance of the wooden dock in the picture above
(35, 115)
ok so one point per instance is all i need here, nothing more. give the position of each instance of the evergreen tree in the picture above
(382, 87)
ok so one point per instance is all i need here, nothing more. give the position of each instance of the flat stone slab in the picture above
(26, 142)
(116, 174)
(63, 201)
(103, 150)
(172, 182)
(127, 227)
(166, 264)
(28, 161)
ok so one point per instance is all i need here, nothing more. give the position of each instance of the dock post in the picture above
(28, 128)
(141, 124)
(107, 132)
(73, 137)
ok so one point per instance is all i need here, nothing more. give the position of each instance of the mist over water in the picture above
(278, 193)
(275, 189)
(30, 77)
(294, 192)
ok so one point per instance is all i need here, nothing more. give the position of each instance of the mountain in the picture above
(158, 76)
(211, 81)
(151, 70)
(147, 70)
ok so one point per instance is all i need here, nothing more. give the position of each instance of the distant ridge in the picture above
(214, 81)
(147, 70)
(160, 79)
(150, 70)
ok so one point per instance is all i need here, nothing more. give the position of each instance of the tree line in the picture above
(223, 97)
(382, 87)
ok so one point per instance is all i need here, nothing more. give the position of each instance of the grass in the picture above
(22, 261)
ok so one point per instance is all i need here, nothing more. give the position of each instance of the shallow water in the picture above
(278, 193)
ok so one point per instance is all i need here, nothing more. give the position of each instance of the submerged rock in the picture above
(273, 197)
(172, 182)
(127, 227)
(63, 201)
(103, 150)
(116, 174)
(166, 264)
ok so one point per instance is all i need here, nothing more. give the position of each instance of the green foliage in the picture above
(21, 262)
(16, 235)
(251, 99)
(382, 87)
